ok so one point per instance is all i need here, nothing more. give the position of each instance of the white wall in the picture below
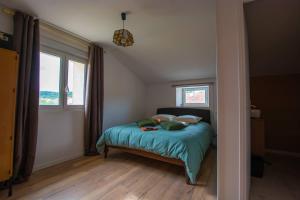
(60, 137)
(124, 94)
(164, 95)
(233, 102)
(6, 22)
(60, 134)
(158, 96)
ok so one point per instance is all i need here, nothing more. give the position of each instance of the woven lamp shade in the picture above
(123, 38)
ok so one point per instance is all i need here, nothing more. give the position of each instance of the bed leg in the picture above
(187, 179)
(105, 151)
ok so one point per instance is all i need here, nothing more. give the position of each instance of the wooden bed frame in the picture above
(205, 114)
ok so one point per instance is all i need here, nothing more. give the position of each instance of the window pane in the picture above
(49, 79)
(75, 92)
(195, 96)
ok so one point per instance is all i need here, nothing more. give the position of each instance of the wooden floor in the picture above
(121, 176)
(281, 180)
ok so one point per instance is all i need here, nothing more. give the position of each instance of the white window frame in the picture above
(65, 57)
(195, 105)
(61, 73)
(80, 60)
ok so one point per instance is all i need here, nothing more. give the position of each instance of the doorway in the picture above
(273, 29)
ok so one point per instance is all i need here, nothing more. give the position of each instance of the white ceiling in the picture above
(174, 39)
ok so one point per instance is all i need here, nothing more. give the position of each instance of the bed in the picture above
(186, 147)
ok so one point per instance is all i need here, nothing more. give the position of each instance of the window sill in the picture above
(60, 109)
(191, 106)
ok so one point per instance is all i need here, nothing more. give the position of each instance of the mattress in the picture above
(188, 144)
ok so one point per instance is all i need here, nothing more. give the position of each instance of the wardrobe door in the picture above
(8, 83)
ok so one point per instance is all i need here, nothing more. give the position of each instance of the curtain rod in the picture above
(12, 12)
(192, 84)
(8, 11)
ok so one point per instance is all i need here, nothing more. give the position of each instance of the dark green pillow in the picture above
(172, 125)
(147, 122)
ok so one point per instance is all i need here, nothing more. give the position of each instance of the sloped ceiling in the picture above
(174, 39)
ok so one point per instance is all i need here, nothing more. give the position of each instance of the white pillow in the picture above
(164, 117)
(191, 119)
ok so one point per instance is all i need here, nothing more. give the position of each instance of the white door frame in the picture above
(233, 102)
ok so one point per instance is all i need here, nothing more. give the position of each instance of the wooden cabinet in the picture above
(8, 84)
(258, 137)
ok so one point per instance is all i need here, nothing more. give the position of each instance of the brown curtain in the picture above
(94, 100)
(26, 43)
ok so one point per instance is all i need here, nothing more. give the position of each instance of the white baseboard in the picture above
(285, 153)
(55, 162)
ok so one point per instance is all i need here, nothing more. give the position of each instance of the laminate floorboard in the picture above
(281, 180)
(120, 176)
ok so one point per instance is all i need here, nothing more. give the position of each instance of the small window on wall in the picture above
(62, 80)
(193, 96)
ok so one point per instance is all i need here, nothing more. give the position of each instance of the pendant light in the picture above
(123, 37)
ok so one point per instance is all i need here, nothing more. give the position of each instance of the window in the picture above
(49, 79)
(75, 86)
(193, 96)
(62, 80)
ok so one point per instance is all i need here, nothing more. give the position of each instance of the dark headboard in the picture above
(205, 114)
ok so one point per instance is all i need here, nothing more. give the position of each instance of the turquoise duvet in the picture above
(188, 144)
